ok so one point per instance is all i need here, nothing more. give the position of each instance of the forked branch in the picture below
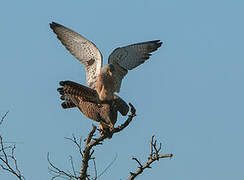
(8, 161)
(97, 141)
(88, 151)
(154, 156)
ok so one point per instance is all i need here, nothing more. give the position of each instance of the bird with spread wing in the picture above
(105, 80)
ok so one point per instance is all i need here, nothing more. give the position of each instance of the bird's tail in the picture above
(70, 91)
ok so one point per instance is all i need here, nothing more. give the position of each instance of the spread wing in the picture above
(128, 57)
(81, 48)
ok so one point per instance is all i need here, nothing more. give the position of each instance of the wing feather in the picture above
(128, 57)
(82, 49)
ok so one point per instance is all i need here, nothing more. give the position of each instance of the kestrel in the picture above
(77, 95)
(105, 80)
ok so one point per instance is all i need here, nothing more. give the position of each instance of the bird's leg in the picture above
(101, 129)
(111, 127)
(105, 129)
(101, 126)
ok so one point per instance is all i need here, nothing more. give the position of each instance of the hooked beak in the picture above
(110, 72)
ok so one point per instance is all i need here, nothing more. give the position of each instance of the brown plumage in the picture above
(99, 103)
(77, 95)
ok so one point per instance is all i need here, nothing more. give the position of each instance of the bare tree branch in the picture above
(4, 116)
(97, 141)
(78, 144)
(110, 164)
(90, 143)
(72, 165)
(88, 151)
(58, 172)
(154, 156)
(86, 154)
(95, 168)
(8, 161)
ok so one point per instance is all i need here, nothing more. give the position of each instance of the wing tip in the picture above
(62, 83)
(155, 45)
(53, 25)
(158, 43)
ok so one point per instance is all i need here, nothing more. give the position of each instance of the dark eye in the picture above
(111, 67)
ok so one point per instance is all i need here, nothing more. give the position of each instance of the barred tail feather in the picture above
(71, 91)
(75, 89)
(68, 104)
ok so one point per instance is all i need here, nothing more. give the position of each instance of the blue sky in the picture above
(189, 94)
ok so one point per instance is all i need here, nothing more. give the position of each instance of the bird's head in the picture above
(108, 69)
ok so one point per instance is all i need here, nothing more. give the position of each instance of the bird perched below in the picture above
(77, 95)
(105, 80)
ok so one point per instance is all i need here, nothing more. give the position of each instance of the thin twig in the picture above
(140, 165)
(95, 168)
(153, 156)
(58, 172)
(108, 166)
(72, 165)
(4, 116)
(8, 162)
(74, 140)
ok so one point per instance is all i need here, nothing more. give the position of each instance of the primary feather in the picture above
(122, 59)
(128, 57)
(84, 50)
